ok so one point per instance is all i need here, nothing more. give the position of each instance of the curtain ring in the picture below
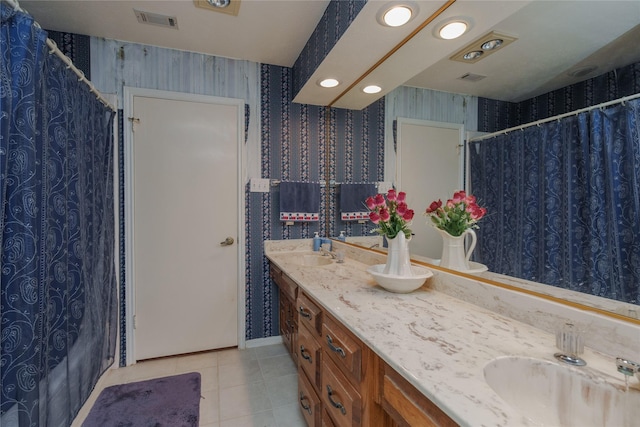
(623, 102)
(81, 74)
(68, 61)
(53, 48)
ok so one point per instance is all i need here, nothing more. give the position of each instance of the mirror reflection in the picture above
(593, 233)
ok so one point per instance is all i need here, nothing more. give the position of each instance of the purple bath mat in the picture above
(170, 401)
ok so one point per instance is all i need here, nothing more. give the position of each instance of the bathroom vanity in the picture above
(368, 357)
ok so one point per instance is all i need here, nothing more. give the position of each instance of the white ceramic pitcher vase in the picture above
(398, 259)
(453, 251)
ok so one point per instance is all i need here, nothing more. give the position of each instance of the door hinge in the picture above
(134, 121)
(135, 322)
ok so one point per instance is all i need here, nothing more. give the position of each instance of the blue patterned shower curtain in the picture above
(58, 300)
(563, 202)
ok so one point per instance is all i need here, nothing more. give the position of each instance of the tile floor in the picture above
(253, 387)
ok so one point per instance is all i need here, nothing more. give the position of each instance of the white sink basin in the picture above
(313, 260)
(549, 394)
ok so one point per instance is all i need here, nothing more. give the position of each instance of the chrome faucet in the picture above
(339, 256)
(627, 367)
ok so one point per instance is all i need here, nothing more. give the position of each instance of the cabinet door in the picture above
(285, 321)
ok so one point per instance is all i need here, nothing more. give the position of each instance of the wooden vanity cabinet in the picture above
(288, 316)
(344, 370)
(341, 381)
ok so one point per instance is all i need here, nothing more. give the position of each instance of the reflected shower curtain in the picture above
(58, 295)
(563, 202)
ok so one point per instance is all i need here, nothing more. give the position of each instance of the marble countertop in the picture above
(438, 343)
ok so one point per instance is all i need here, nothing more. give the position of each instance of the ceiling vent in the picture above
(470, 77)
(156, 19)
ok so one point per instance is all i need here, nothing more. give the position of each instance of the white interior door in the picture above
(185, 200)
(429, 167)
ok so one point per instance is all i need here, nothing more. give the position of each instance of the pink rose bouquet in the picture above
(457, 215)
(390, 214)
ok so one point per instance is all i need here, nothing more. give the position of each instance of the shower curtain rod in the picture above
(558, 117)
(54, 49)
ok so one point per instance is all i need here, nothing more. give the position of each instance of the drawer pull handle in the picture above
(306, 407)
(305, 313)
(335, 404)
(305, 355)
(335, 349)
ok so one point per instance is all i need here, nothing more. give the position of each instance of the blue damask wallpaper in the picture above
(294, 139)
(494, 115)
(334, 22)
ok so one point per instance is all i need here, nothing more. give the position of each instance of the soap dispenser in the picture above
(342, 237)
(316, 242)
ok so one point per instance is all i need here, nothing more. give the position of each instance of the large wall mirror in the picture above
(597, 38)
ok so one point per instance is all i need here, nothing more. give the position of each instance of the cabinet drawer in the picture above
(309, 314)
(284, 282)
(274, 272)
(342, 348)
(309, 355)
(309, 402)
(326, 420)
(288, 286)
(407, 406)
(339, 398)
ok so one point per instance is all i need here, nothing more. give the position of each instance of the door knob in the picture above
(227, 242)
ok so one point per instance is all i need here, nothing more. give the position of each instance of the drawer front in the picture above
(275, 272)
(309, 355)
(309, 314)
(326, 420)
(407, 406)
(345, 351)
(339, 398)
(288, 286)
(309, 402)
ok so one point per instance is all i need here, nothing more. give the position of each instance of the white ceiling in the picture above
(553, 38)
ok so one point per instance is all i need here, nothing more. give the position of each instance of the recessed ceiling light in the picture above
(474, 54)
(397, 16)
(453, 30)
(492, 44)
(329, 83)
(371, 89)
(582, 71)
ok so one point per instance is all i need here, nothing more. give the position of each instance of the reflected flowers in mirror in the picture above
(457, 215)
